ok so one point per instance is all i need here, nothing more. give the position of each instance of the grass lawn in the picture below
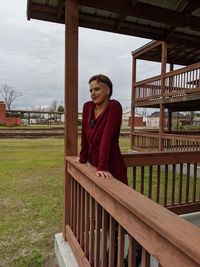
(31, 192)
(31, 178)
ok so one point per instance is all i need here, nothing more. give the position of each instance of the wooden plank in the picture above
(150, 182)
(104, 238)
(158, 185)
(82, 218)
(145, 258)
(194, 183)
(86, 239)
(91, 236)
(78, 252)
(120, 254)
(131, 252)
(71, 97)
(97, 235)
(185, 208)
(71, 76)
(112, 244)
(161, 158)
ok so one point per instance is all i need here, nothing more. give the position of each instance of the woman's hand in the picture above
(77, 159)
(104, 174)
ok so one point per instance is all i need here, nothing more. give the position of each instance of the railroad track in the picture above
(38, 133)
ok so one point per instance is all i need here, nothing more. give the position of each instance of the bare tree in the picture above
(9, 95)
(54, 105)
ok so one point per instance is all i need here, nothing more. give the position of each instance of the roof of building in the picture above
(179, 54)
(156, 114)
(174, 21)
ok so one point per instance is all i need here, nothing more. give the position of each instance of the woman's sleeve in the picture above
(110, 132)
(84, 141)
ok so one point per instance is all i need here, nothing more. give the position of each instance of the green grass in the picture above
(31, 178)
(31, 193)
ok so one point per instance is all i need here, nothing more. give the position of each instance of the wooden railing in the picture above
(98, 210)
(176, 83)
(149, 141)
(170, 179)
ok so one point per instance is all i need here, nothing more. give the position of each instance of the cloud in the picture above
(32, 58)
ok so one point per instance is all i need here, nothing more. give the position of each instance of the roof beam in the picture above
(60, 9)
(146, 11)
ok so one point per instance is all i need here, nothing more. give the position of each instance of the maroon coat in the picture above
(100, 139)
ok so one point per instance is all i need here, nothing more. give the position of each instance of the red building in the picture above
(8, 121)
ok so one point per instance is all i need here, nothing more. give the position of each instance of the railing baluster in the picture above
(71, 203)
(74, 207)
(86, 239)
(142, 180)
(112, 242)
(78, 210)
(194, 183)
(134, 177)
(132, 252)
(82, 218)
(180, 183)
(150, 182)
(104, 237)
(120, 257)
(173, 184)
(187, 183)
(145, 258)
(97, 235)
(158, 185)
(91, 235)
(165, 185)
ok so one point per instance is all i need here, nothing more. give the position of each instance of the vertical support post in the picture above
(133, 102)
(71, 97)
(169, 121)
(162, 116)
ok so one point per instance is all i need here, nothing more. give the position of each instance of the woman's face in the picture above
(99, 92)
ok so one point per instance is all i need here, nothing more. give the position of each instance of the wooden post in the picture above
(163, 71)
(71, 97)
(133, 102)
(169, 121)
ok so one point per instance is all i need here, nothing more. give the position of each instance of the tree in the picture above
(54, 105)
(60, 108)
(9, 95)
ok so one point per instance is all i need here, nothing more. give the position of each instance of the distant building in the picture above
(153, 120)
(5, 119)
(126, 119)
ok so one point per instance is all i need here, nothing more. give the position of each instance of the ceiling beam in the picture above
(192, 6)
(60, 9)
(146, 11)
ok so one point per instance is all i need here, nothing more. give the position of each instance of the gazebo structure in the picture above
(172, 91)
(170, 179)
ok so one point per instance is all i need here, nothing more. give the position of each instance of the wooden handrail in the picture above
(193, 138)
(159, 158)
(168, 74)
(171, 239)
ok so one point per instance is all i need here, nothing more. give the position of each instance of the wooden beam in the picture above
(71, 97)
(147, 11)
(60, 8)
(71, 76)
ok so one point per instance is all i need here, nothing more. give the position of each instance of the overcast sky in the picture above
(32, 58)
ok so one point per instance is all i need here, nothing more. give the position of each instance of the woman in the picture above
(100, 131)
